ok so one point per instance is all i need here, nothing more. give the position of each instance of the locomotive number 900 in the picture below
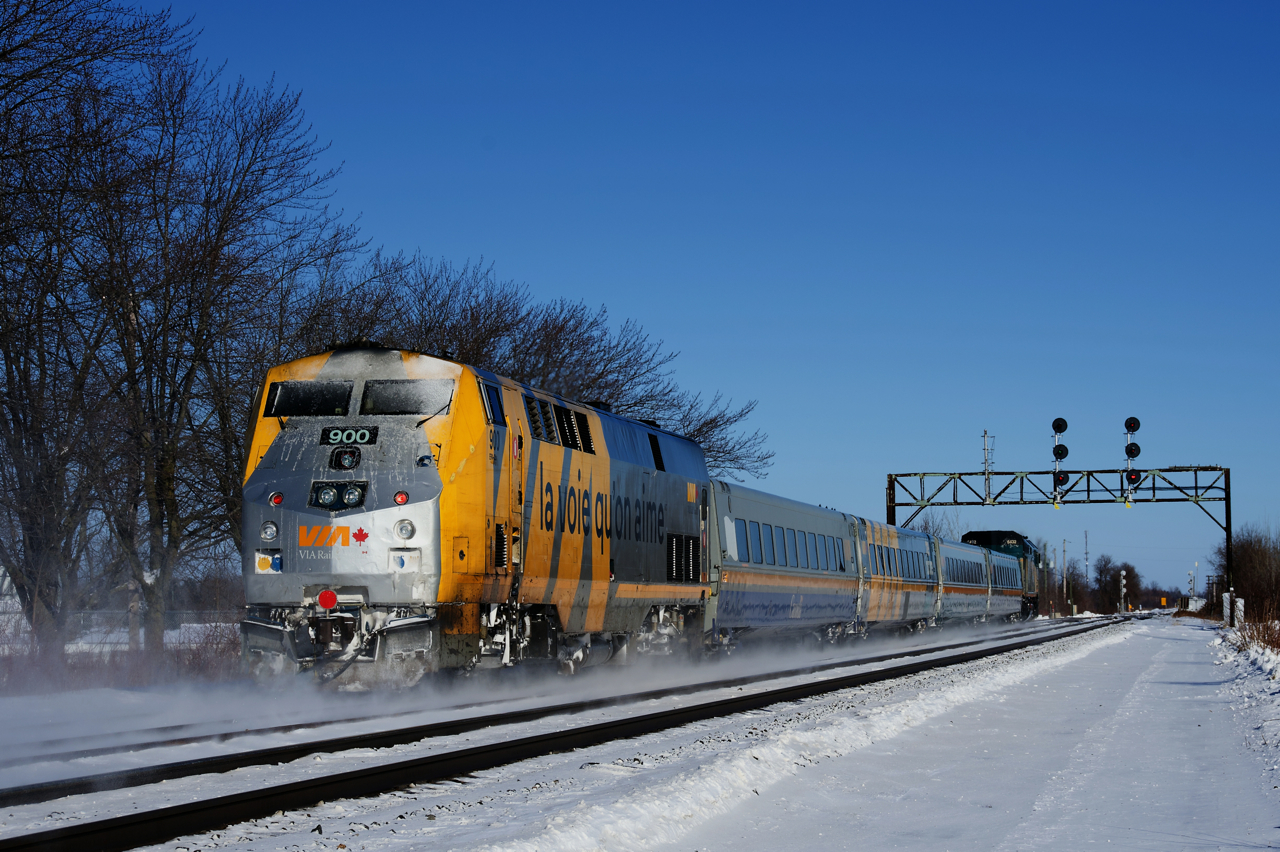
(349, 436)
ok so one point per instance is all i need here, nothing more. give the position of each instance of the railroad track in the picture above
(165, 823)
(134, 777)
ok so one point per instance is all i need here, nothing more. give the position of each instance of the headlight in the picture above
(352, 495)
(405, 529)
(345, 458)
(270, 531)
(327, 496)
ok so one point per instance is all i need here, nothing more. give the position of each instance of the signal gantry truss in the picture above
(1198, 484)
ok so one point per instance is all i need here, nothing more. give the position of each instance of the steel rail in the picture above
(134, 777)
(166, 823)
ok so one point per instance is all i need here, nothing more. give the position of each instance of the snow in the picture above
(1148, 735)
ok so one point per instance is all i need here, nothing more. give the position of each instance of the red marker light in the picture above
(327, 599)
(276, 499)
(402, 497)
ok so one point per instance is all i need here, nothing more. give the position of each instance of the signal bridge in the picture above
(1198, 484)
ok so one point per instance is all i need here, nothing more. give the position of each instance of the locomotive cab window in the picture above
(406, 396)
(307, 399)
(493, 404)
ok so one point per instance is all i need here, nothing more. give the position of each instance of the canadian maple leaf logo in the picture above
(360, 535)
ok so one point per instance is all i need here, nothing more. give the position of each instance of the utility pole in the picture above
(1086, 555)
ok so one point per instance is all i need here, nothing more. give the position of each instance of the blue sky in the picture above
(894, 225)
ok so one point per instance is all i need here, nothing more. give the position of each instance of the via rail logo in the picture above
(324, 536)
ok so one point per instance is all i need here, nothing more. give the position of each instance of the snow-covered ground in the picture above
(1152, 735)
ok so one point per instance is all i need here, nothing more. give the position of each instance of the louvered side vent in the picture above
(568, 428)
(657, 452)
(500, 546)
(535, 419)
(548, 423)
(584, 432)
(684, 559)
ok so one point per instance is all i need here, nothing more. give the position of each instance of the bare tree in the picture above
(466, 313)
(1256, 566)
(939, 522)
(215, 203)
(64, 71)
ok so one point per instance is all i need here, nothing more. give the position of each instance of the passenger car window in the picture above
(780, 539)
(767, 534)
(791, 548)
(804, 549)
(756, 556)
(814, 558)
(822, 553)
(744, 550)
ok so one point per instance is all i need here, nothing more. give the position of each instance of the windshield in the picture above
(406, 396)
(307, 399)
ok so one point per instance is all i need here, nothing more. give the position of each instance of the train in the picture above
(406, 514)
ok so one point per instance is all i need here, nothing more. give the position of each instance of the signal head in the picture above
(1060, 479)
(1132, 424)
(1059, 425)
(1132, 450)
(1059, 451)
(1132, 478)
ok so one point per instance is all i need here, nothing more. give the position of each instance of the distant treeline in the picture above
(165, 236)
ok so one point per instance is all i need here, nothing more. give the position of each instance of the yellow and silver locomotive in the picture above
(410, 511)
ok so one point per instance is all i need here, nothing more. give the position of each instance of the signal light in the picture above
(327, 599)
(1059, 451)
(1132, 477)
(1132, 450)
(276, 498)
(1059, 425)
(1060, 479)
(402, 497)
(1132, 424)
